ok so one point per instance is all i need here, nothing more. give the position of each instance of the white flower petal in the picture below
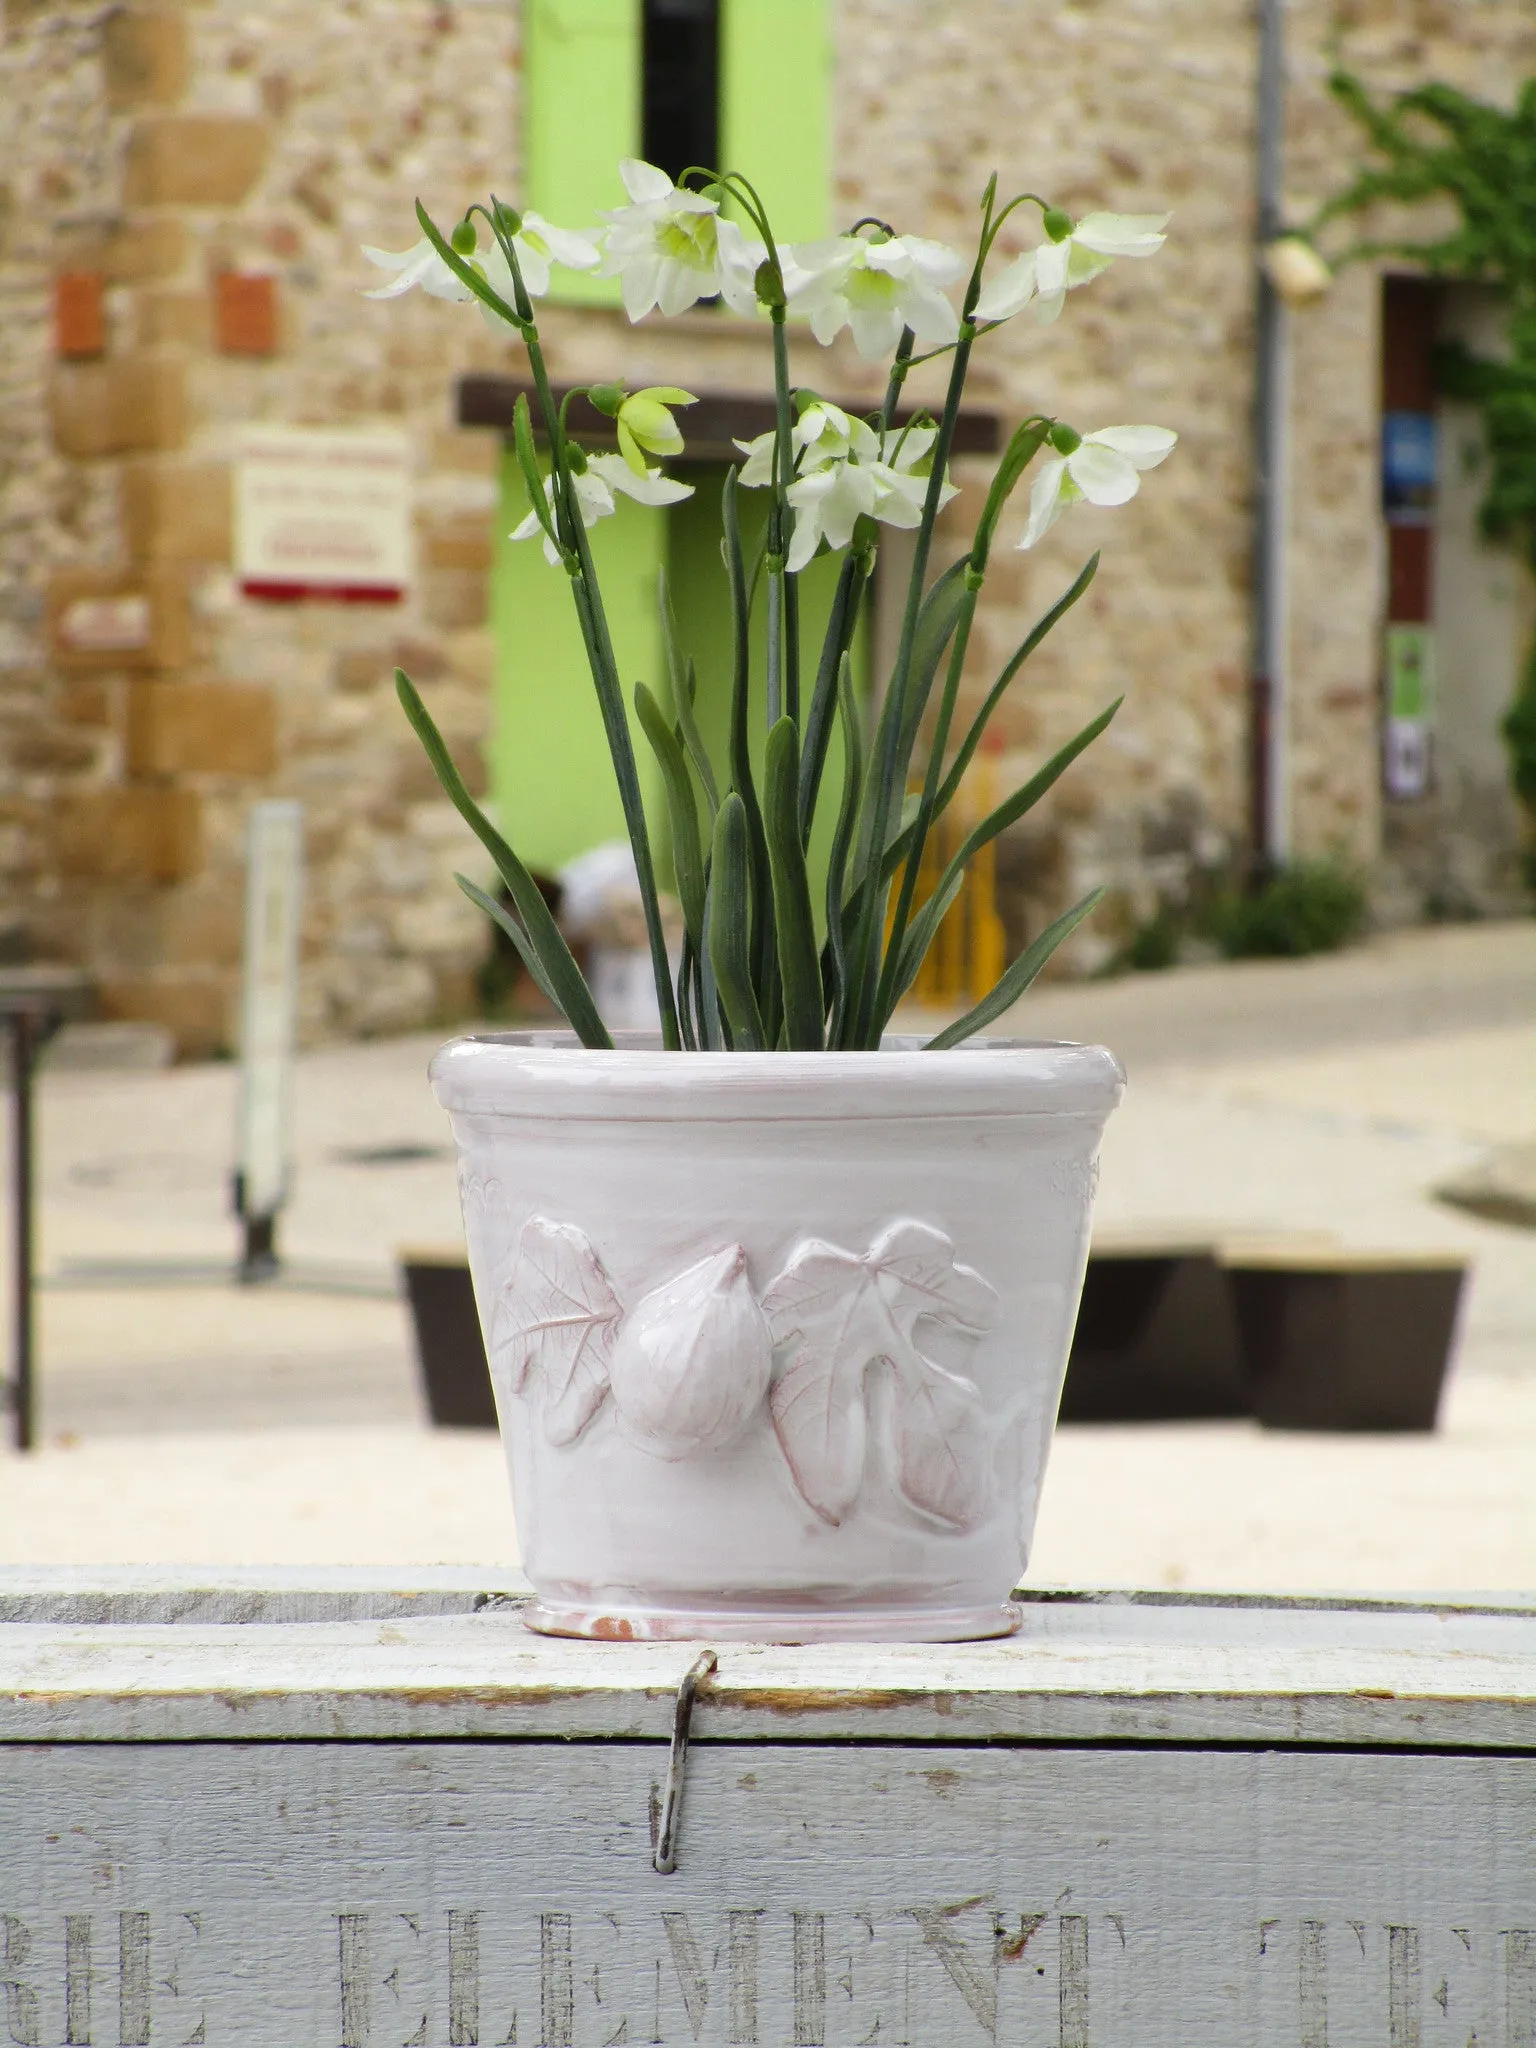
(575, 251)
(639, 285)
(1010, 291)
(829, 319)
(934, 260)
(644, 183)
(1045, 501)
(929, 314)
(1144, 446)
(651, 489)
(1103, 475)
(876, 330)
(1052, 260)
(1122, 234)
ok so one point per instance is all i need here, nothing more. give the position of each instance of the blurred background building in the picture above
(185, 191)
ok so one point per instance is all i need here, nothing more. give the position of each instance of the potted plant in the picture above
(778, 1306)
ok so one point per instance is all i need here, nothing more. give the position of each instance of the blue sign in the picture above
(1410, 467)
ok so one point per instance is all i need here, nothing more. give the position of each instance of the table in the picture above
(34, 1002)
(355, 1810)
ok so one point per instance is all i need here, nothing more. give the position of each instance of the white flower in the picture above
(671, 248)
(595, 486)
(876, 288)
(1105, 468)
(1068, 259)
(874, 475)
(822, 433)
(537, 241)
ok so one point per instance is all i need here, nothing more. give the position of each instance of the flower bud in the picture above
(462, 240)
(1064, 439)
(607, 398)
(508, 219)
(768, 284)
(692, 1362)
(1057, 225)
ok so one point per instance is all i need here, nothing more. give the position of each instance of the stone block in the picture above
(459, 547)
(194, 159)
(116, 619)
(50, 750)
(200, 728)
(144, 56)
(181, 318)
(198, 1009)
(177, 511)
(134, 834)
(454, 598)
(129, 406)
(141, 251)
(90, 700)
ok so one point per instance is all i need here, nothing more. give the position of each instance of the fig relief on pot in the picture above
(778, 1308)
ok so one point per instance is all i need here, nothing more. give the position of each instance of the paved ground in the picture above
(188, 1420)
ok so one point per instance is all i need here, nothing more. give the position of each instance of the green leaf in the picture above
(763, 949)
(842, 841)
(1017, 978)
(936, 622)
(1021, 451)
(920, 936)
(684, 689)
(499, 914)
(564, 984)
(687, 853)
(794, 920)
(522, 441)
(1012, 808)
(842, 622)
(730, 924)
(1037, 633)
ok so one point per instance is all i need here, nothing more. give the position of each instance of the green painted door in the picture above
(551, 776)
(579, 118)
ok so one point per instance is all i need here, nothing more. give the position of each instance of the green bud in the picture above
(804, 400)
(608, 398)
(1057, 225)
(1064, 439)
(462, 240)
(508, 219)
(576, 458)
(768, 283)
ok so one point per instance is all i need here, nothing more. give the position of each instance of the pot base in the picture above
(774, 1624)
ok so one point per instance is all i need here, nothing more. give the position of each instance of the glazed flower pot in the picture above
(777, 1339)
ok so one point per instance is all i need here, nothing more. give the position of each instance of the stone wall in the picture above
(166, 147)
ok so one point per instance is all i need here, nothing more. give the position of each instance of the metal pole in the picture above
(1269, 698)
(23, 1040)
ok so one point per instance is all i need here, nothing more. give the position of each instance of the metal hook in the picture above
(664, 1855)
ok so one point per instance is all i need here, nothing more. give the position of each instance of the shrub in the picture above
(1310, 907)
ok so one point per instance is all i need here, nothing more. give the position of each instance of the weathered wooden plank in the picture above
(1075, 1672)
(368, 1895)
(105, 1595)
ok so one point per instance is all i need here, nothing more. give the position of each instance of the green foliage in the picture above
(763, 967)
(1310, 907)
(1439, 143)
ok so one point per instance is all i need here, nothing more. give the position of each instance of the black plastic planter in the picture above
(1156, 1341)
(449, 1347)
(1348, 1344)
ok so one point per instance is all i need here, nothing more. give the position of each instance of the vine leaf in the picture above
(558, 1312)
(840, 1314)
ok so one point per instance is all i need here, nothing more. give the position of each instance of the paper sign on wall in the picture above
(323, 512)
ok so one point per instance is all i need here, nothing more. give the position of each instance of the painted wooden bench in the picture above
(362, 1809)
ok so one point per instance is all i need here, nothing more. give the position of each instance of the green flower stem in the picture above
(605, 676)
(886, 994)
(864, 956)
(783, 596)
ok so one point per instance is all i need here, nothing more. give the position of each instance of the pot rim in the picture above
(547, 1074)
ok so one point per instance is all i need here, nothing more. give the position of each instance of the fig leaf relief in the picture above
(839, 1314)
(557, 1312)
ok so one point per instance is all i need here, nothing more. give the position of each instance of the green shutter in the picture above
(580, 116)
(776, 108)
(552, 780)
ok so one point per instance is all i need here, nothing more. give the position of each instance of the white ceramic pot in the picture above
(777, 1338)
